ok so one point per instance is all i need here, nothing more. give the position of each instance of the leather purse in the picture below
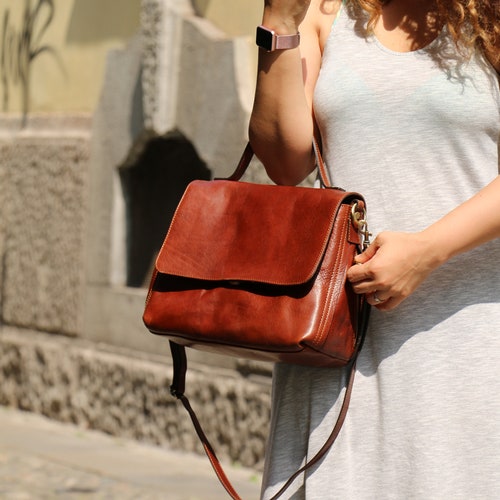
(259, 271)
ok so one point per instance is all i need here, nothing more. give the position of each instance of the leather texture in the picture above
(259, 271)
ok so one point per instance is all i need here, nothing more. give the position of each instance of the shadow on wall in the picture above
(153, 179)
(91, 20)
(201, 6)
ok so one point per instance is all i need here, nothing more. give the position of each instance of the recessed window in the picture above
(153, 179)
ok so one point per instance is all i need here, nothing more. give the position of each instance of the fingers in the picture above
(359, 274)
(363, 282)
(362, 277)
(364, 257)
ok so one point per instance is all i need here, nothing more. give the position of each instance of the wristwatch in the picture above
(270, 41)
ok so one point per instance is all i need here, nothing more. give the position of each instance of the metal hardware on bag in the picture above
(358, 215)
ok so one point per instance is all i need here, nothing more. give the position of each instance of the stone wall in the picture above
(43, 202)
(126, 394)
(72, 343)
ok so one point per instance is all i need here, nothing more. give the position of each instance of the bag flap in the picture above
(227, 230)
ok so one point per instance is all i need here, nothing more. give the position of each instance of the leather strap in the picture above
(248, 153)
(178, 386)
(177, 390)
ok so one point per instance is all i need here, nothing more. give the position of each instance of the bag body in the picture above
(259, 271)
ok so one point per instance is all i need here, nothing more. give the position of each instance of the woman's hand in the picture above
(392, 267)
(395, 264)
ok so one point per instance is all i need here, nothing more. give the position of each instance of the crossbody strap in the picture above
(178, 387)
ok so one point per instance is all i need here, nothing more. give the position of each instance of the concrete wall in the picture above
(235, 18)
(54, 51)
(106, 83)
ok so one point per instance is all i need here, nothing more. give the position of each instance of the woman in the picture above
(406, 100)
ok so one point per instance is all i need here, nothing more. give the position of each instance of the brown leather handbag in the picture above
(259, 271)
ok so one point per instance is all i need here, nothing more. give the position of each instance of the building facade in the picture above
(108, 110)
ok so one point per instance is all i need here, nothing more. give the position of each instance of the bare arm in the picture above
(281, 125)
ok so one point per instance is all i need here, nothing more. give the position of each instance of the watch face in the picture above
(264, 38)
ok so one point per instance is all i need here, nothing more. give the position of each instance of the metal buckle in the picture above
(358, 217)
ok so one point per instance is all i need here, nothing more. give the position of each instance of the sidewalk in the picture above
(43, 460)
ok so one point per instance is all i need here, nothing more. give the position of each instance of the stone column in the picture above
(161, 23)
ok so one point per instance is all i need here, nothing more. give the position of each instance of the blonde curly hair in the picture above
(471, 23)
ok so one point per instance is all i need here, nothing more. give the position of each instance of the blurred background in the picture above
(108, 109)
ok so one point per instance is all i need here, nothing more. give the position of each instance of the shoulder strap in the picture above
(248, 154)
(178, 386)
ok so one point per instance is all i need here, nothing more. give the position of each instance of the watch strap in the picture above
(284, 42)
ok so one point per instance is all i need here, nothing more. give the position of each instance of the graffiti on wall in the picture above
(21, 43)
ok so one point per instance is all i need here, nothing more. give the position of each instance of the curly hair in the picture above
(471, 23)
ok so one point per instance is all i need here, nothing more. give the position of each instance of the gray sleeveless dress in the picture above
(417, 135)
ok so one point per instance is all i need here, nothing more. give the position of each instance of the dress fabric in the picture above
(417, 135)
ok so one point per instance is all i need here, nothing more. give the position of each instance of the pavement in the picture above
(41, 459)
